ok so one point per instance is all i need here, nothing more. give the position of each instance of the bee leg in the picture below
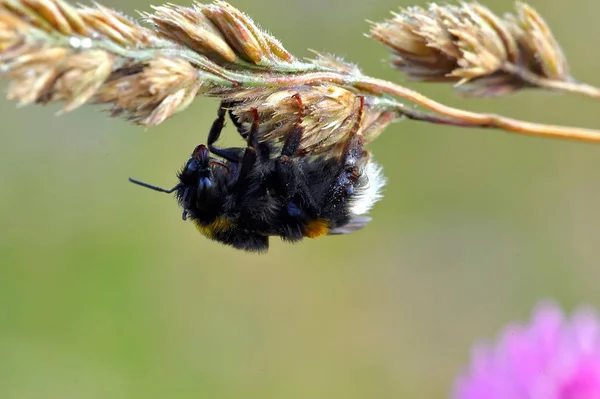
(242, 181)
(263, 151)
(242, 130)
(292, 142)
(230, 154)
(238, 125)
(353, 154)
(284, 168)
(290, 182)
(353, 149)
(285, 173)
(249, 158)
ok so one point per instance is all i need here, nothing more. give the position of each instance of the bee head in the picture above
(201, 183)
(197, 172)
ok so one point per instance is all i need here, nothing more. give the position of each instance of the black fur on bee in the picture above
(250, 194)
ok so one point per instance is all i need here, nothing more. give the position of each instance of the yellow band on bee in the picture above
(316, 228)
(219, 225)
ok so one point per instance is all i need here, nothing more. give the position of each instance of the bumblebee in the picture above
(242, 196)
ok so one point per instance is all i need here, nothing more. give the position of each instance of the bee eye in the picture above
(293, 209)
(191, 166)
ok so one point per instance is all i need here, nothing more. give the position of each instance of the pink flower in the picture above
(551, 358)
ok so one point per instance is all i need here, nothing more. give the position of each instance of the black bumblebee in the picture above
(263, 190)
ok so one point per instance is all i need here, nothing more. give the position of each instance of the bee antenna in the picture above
(155, 188)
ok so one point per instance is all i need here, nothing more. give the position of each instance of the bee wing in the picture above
(356, 223)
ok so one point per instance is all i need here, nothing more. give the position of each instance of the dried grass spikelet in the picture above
(37, 70)
(471, 46)
(157, 91)
(54, 75)
(330, 112)
(540, 50)
(221, 32)
(53, 51)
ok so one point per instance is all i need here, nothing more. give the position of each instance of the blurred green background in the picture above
(106, 293)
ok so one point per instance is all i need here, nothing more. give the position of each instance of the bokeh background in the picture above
(106, 293)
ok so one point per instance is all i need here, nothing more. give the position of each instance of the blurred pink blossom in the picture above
(550, 358)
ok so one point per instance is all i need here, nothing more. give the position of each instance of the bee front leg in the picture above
(230, 154)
